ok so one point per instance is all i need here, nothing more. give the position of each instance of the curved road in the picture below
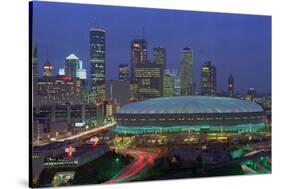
(142, 159)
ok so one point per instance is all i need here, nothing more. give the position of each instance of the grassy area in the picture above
(97, 171)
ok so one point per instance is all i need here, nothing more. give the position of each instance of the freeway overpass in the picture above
(89, 132)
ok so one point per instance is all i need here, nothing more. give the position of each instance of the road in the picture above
(142, 159)
(248, 170)
(88, 132)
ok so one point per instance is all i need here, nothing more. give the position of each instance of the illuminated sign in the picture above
(67, 78)
(69, 150)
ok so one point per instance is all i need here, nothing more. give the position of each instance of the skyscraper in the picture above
(71, 64)
(138, 54)
(230, 86)
(61, 72)
(133, 91)
(48, 69)
(186, 73)
(252, 93)
(97, 64)
(177, 87)
(118, 90)
(123, 72)
(34, 61)
(34, 66)
(80, 72)
(59, 90)
(149, 78)
(169, 83)
(159, 56)
(74, 68)
(208, 79)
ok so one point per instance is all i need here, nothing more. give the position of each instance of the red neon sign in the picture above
(69, 150)
(67, 78)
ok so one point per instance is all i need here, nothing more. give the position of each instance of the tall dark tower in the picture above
(208, 79)
(34, 62)
(123, 72)
(71, 64)
(186, 72)
(159, 56)
(97, 64)
(230, 86)
(138, 54)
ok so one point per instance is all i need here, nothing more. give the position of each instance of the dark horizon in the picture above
(234, 43)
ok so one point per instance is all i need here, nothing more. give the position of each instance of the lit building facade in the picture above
(61, 72)
(74, 66)
(71, 65)
(186, 72)
(97, 64)
(169, 79)
(123, 72)
(59, 90)
(159, 56)
(81, 113)
(208, 79)
(230, 86)
(149, 78)
(109, 110)
(252, 93)
(80, 72)
(138, 54)
(133, 91)
(47, 69)
(177, 90)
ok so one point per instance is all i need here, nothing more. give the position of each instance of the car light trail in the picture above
(142, 159)
(88, 132)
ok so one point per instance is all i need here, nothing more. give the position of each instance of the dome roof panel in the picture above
(190, 105)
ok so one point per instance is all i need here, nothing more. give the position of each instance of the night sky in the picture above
(237, 44)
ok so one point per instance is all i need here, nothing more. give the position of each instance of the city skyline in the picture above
(224, 31)
(183, 99)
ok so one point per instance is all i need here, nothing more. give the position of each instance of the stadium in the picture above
(185, 113)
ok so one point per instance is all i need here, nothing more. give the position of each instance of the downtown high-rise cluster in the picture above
(144, 78)
(77, 96)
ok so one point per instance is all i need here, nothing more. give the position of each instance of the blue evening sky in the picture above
(235, 43)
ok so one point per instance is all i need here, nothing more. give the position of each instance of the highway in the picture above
(88, 132)
(248, 170)
(262, 168)
(142, 159)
